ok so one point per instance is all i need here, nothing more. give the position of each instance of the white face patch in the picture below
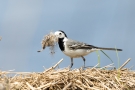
(59, 34)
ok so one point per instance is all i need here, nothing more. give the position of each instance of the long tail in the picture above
(102, 48)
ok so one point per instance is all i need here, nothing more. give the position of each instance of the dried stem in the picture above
(30, 86)
(54, 66)
(65, 88)
(125, 63)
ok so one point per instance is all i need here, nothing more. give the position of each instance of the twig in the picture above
(46, 85)
(76, 84)
(95, 66)
(82, 86)
(65, 88)
(7, 72)
(40, 50)
(105, 86)
(131, 67)
(54, 66)
(110, 65)
(125, 63)
(30, 86)
(117, 80)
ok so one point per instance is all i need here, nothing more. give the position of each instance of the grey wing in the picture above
(78, 45)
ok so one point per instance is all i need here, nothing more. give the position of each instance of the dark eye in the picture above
(59, 33)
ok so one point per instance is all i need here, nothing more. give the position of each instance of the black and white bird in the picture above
(75, 49)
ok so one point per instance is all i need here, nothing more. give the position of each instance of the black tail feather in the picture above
(109, 49)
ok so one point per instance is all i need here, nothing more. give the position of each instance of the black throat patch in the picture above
(61, 44)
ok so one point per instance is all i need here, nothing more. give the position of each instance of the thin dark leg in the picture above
(83, 60)
(71, 62)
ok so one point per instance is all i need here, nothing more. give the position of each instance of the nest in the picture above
(50, 40)
(66, 79)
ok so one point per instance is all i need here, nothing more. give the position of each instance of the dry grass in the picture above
(66, 79)
(49, 40)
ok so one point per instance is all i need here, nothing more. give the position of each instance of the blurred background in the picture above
(106, 23)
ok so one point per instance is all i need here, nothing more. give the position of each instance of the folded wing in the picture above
(80, 45)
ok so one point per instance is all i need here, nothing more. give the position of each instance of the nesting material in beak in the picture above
(50, 41)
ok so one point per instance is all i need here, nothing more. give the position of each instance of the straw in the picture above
(65, 79)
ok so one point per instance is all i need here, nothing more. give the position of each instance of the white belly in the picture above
(78, 52)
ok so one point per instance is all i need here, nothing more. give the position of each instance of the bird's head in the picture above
(60, 34)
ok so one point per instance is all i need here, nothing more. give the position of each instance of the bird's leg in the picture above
(83, 60)
(71, 62)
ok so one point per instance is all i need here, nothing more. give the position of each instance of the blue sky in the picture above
(105, 23)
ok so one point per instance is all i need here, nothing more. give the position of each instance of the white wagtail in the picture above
(75, 49)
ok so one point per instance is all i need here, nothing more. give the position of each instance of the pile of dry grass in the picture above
(66, 79)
